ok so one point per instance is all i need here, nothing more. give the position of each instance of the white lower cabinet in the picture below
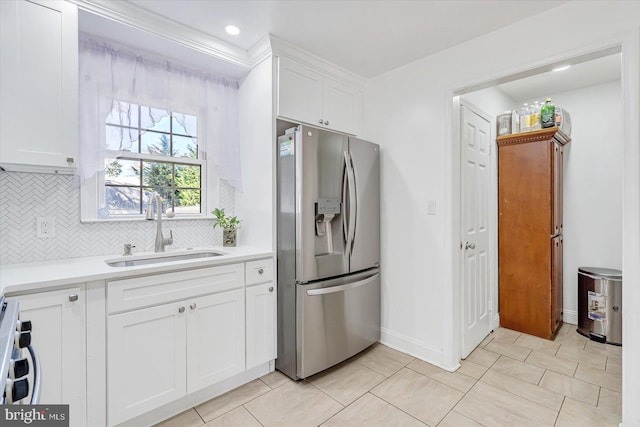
(146, 356)
(159, 354)
(261, 324)
(58, 335)
(215, 339)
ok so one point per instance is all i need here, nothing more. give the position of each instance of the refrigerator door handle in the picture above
(345, 187)
(351, 178)
(353, 203)
(342, 288)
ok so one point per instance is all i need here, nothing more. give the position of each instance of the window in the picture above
(151, 150)
(148, 124)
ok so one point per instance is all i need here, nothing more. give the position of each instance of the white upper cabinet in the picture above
(39, 86)
(309, 96)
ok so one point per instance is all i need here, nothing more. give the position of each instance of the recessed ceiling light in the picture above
(561, 68)
(232, 29)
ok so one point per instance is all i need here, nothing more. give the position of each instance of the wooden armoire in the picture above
(530, 230)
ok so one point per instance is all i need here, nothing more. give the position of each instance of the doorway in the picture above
(591, 92)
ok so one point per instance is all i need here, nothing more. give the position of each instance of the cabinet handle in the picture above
(73, 297)
(260, 270)
(192, 306)
(181, 310)
(69, 159)
(270, 288)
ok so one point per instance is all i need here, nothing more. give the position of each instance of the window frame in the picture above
(92, 192)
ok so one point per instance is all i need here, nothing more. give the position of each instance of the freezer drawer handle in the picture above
(342, 288)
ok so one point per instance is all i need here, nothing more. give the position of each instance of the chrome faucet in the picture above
(161, 242)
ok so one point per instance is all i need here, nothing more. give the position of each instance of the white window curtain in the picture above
(111, 73)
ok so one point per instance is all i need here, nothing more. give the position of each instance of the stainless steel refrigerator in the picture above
(328, 249)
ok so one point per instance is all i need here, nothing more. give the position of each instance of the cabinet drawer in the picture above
(129, 294)
(259, 271)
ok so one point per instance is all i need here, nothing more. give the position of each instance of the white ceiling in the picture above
(365, 37)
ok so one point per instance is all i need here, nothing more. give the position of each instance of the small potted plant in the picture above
(229, 226)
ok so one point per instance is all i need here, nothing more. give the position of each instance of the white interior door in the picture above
(476, 181)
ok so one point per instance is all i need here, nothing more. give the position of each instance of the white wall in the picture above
(491, 100)
(408, 111)
(254, 204)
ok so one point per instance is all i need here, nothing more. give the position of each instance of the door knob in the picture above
(468, 245)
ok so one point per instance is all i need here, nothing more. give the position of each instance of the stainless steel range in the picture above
(15, 335)
(328, 249)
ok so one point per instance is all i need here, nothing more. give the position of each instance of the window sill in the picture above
(142, 219)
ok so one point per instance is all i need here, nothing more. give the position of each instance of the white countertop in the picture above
(49, 274)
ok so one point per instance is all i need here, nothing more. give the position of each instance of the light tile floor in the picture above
(511, 379)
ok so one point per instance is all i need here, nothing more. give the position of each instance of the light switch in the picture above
(431, 207)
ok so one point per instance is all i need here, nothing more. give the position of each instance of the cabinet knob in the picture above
(326, 122)
(260, 270)
(73, 297)
(70, 160)
(181, 310)
(192, 306)
(270, 288)
(321, 121)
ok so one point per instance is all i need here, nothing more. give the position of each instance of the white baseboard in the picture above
(570, 316)
(414, 348)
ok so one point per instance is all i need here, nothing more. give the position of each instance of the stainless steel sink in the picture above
(159, 259)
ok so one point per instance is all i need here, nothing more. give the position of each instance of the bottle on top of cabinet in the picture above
(525, 118)
(548, 114)
(515, 121)
(535, 116)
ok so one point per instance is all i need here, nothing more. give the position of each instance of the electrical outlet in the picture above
(45, 227)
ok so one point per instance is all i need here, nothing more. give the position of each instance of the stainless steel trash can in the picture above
(600, 304)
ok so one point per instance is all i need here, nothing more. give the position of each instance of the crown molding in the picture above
(260, 51)
(137, 17)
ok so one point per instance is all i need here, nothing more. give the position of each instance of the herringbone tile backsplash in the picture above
(27, 196)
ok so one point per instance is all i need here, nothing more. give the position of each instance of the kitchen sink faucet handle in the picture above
(127, 248)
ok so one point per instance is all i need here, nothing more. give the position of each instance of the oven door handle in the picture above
(37, 375)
